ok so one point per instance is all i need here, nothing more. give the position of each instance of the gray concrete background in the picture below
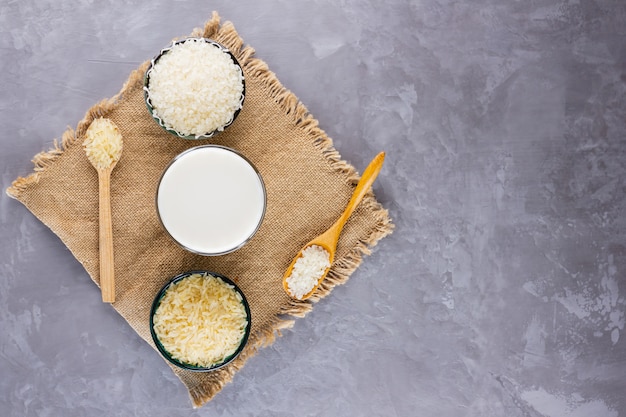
(501, 292)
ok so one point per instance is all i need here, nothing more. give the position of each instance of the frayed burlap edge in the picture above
(202, 392)
(44, 159)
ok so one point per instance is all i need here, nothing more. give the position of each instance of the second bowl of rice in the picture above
(200, 321)
(194, 88)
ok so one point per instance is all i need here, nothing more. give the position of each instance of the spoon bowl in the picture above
(328, 240)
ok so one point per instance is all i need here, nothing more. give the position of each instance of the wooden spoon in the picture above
(328, 240)
(103, 146)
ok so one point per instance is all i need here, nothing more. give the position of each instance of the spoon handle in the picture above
(107, 277)
(366, 181)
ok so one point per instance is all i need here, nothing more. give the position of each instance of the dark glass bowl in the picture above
(184, 365)
(163, 123)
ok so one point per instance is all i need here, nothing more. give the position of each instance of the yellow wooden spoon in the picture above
(328, 240)
(103, 146)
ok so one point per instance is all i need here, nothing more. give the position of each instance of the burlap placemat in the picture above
(307, 184)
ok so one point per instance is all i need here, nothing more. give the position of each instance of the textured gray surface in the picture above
(501, 292)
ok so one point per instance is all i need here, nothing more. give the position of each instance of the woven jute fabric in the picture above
(307, 184)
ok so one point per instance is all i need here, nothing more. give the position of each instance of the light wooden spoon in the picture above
(328, 240)
(103, 146)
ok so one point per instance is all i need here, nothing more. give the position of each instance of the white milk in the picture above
(211, 200)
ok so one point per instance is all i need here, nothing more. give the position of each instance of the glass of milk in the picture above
(211, 200)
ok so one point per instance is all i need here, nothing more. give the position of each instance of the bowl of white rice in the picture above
(200, 321)
(194, 88)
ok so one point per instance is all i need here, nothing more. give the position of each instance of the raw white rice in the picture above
(195, 88)
(307, 270)
(201, 320)
(103, 143)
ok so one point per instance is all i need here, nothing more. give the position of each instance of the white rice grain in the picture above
(195, 88)
(307, 270)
